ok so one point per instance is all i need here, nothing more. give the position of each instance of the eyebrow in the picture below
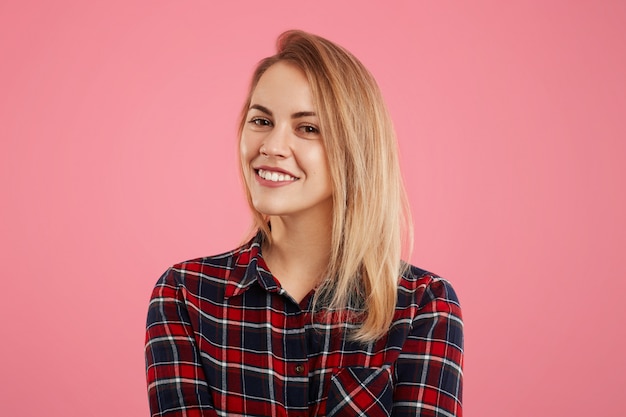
(296, 115)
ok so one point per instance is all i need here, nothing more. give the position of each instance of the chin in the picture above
(268, 209)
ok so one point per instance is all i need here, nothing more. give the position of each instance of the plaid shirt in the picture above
(224, 339)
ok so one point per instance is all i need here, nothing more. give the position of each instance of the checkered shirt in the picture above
(224, 339)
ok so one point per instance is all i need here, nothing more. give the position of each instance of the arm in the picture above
(429, 375)
(176, 382)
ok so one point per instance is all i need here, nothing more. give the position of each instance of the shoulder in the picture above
(209, 271)
(419, 288)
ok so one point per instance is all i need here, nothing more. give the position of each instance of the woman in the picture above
(317, 314)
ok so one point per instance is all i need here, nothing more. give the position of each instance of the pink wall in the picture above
(117, 127)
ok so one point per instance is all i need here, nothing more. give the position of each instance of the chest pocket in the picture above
(359, 391)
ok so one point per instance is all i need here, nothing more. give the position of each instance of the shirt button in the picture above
(299, 369)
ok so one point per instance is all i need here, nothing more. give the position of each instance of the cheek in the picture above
(248, 146)
(243, 146)
(244, 151)
(325, 171)
(321, 163)
(244, 160)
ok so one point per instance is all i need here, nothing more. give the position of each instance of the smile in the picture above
(275, 176)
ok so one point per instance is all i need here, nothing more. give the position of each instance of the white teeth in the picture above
(275, 176)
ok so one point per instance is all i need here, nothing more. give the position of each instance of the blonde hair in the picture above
(371, 219)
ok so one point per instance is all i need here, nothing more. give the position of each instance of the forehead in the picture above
(283, 86)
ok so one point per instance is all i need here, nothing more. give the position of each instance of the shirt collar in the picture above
(249, 267)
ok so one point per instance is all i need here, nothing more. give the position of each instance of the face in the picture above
(282, 151)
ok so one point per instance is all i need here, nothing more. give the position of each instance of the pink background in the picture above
(118, 158)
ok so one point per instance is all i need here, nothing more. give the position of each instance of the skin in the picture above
(281, 141)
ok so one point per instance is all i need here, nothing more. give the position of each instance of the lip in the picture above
(272, 184)
(274, 169)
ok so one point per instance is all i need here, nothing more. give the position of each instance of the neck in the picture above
(299, 254)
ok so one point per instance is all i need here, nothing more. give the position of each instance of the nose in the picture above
(276, 143)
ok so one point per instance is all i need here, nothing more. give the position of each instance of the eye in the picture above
(309, 129)
(260, 122)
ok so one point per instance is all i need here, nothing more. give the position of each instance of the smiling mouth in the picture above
(274, 176)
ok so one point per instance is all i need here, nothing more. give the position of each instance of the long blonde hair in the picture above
(371, 228)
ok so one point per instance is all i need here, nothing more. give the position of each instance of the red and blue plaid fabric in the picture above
(224, 339)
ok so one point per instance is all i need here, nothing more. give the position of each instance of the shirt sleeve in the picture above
(176, 382)
(429, 371)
